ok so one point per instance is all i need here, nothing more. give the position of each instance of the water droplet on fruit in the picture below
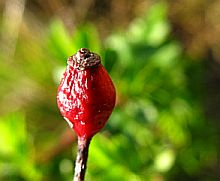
(68, 121)
(82, 123)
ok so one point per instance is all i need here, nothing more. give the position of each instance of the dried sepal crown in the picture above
(84, 59)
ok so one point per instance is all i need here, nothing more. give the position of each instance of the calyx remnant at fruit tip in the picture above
(84, 59)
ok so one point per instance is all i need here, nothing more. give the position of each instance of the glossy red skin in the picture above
(86, 98)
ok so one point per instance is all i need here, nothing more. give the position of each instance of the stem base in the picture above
(81, 159)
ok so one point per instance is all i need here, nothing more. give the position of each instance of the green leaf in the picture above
(13, 133)
(164, 160)
(86, 36)
(60, 42)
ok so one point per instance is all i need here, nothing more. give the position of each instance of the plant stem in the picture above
(81, 159)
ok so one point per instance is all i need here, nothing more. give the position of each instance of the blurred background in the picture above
(164, 58)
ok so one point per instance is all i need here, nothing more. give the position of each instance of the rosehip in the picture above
(86, 94)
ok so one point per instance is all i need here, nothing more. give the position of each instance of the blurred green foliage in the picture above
(157, 131)
(16, 149)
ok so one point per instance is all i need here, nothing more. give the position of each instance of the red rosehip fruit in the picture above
(86, 94)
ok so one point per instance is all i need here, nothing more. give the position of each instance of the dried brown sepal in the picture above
(84, 59)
